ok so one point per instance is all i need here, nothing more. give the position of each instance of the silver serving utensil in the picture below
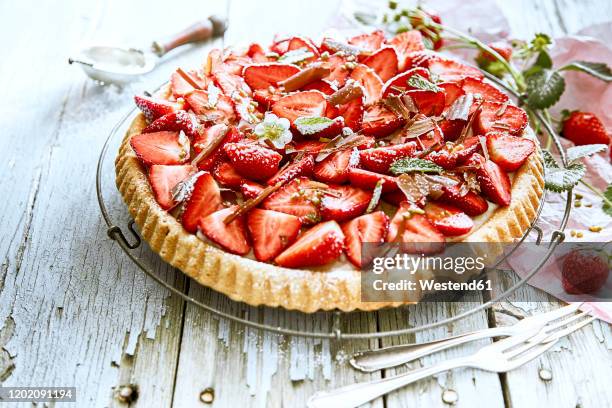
(120, 65)
(372, 360)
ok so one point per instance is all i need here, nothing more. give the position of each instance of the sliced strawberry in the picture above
(263, 76)
(271, 232)
(318, 246)
(507, 151)
(309, 146)
(471, 203)
(452, 92)
(164, 178)
(384, 62)
(232, 85)
(302, 167)
(413, 229)
(266, 99)
(299, 104)
(232, 237)
(161, 147)
(221, 111)
(370, 41)
(250, 189)
(451, 157)
(321, 85)
(352, 113)
(367, 180)
(257, 53)
(227, 175)
(494, 182)
(332, 129)
(175, 122)
(371, 82)
(394, 197)
(180, 87)
(487, 92)
(369, 228)
(208, 136)
(253, 161)
(429, 103)
(153, 108)
(300, 197)
(431, 138)
(500, 116)
(420, 58)
(449, 220)
(451, 70)
(334, 168)
(451, 129)
(205, 199)
(379, 121)
(380, 158)
(297, 43)
(280, 44)
(399, 83)
(405, 43)
(338, 70)
(341, 203)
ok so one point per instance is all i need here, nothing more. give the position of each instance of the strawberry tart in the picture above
(261, 173)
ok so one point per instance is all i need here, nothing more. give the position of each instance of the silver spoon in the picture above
(120, 65)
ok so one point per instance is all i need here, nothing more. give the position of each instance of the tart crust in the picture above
(257, 283)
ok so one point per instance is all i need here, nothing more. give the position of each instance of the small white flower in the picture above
(275, 129)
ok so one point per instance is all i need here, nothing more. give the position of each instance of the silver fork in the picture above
(372, 360)
(501, 356)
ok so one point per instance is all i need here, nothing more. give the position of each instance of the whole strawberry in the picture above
(584, 271)
(585, 128)
(503, 48)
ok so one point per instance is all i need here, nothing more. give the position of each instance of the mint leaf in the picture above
(375, 196)
(558, 179)
(294, 56)
(607, 206)
(578, 152)
(597, 69)
(544, 88)
(409, 165)
(310, 125)
(418, 82)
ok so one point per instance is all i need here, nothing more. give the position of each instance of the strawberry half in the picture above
(367, 180)
(471, 203)
(487, 92)
(297, 43)
(164, 178)
(352, 113)
(341, 203)
(334, 168)
(302, 167)
(338, 71)
(321, 85)
(384, 62)
(318, 246)
(271, 232)
(227, 175)
(494, 182)
(232, 85)
(452, 92)
(500, 116)
(161, 147)
(299, 104)
(180, 87)
(405, 43)
(379, 121)
(206, 137)
(451, 129)
(429, 103)
(449, 220)
(300, 197)
(507, 151)
(369, 228)
(413, 229)
(250, 189)
(399, 83)
(380, 158)
(153, 108)
(232, 237)
(370, 81)
(584, 128)
(221, 111)
(253, 161)
(175, 122)
(263, 76)
(451, 70)
(204, 200)
(370, 41)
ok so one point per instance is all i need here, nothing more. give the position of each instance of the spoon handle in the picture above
(213, 26)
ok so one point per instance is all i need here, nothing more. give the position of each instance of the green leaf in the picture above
(607, 207)
(309, 125)
(544, 89)
(375, 196)
(544, 60)
(294, 56)
(597, 69)
(409, 165)
(578, 152)
(558, 179)
(417, 81)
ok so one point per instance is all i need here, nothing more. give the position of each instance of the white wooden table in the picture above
(74, 311)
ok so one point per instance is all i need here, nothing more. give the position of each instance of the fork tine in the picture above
(551, 327)
(561, 312)
(564, 332)
(529, 354)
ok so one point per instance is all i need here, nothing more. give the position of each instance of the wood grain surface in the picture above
(75, 311)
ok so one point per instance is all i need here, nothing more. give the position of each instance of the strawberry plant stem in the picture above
(596, 191)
